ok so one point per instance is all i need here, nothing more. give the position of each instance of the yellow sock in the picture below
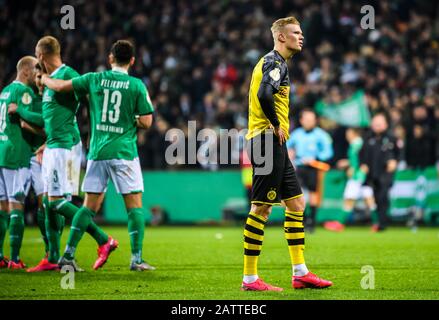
(253, 237)
(295, 235)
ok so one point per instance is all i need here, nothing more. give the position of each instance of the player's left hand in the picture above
(12, 108)
(279, 132)
(39, 153)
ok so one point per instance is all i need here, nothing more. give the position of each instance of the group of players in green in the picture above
(40, 147)
(118, 105)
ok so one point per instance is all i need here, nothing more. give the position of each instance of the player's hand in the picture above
(279, 132)
(12, 108)
(342, 164)
(44, 76)
(350, 172)
(39, 153)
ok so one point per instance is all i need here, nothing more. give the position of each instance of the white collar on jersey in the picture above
(119, 69)
(57, 69)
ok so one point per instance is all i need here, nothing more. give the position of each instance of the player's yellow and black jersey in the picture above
(271, 69)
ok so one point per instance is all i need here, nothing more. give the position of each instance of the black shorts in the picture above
(308, 177)
(279, 183)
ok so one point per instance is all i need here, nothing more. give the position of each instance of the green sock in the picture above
(63, 207)
(69, 210)
(54, 226)
(16, 230)
(136, 230)
(41, 221)
(4, 218)
(81, 221)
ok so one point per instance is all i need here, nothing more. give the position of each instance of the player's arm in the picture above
(144, 108)
(266, 99)
(39, 153)
(25, 114)
(31, 128)
(144, 122)
(270, 83)
(57, 85)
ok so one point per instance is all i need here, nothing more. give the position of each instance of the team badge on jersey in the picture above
(275, 74)
(271, 195)
(26, 98)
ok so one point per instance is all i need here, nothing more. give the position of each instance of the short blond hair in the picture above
(26, 62)
(279, 24)
(49, 45)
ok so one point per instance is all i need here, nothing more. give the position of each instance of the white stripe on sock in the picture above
(61, 204)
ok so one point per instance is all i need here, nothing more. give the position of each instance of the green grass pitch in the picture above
(206, 263)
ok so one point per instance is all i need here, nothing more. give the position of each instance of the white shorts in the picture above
(61, 171)
(14, 184)
(125, 174)
(355, 190)
(36, 176)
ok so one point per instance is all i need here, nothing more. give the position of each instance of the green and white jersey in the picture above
(59, 112)
(15, 151)
(34, 140)
(354, 160)
(115, 100)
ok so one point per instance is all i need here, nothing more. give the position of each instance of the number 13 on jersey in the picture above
(115, 98)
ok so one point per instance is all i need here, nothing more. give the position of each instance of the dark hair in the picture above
(122, 51)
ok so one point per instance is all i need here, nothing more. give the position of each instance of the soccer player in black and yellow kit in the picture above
(268, 121)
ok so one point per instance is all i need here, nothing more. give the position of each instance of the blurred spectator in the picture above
(378, 158)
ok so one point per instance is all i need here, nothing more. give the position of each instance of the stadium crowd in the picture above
(196, 59)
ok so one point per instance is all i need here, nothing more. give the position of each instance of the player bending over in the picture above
(119, 104)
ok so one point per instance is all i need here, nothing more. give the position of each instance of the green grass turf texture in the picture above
(206, 263)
